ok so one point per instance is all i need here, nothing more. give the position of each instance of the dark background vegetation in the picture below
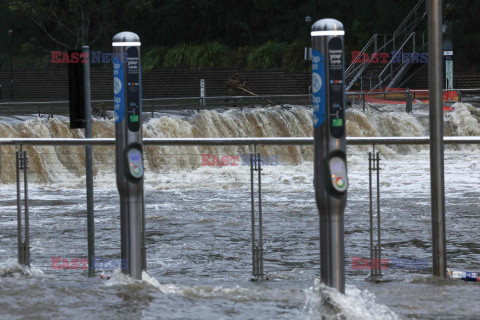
(258, 34)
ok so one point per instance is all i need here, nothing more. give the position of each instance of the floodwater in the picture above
(198, 225)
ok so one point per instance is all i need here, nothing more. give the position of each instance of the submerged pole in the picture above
(89, 163)
(435, 79)
(330, 162)
(129, 148)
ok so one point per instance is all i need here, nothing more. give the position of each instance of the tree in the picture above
(68, 23)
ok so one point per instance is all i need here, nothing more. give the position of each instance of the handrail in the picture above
(398, 51)
(164, 99)
(404, 22)
(361, 54)
(234, 141)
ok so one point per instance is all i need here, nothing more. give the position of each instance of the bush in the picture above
(153, 58)
(176, 56)
(293, 57)
(208, 55)
(267, 56)
(270, 55)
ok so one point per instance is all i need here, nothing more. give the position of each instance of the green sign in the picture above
(337, 122)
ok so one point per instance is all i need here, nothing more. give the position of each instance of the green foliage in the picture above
(267, 56)
(212, 33)
(153, 58)
(208, 55)
(293, 57)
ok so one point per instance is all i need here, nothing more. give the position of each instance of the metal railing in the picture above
(234, 141)
(258, 254)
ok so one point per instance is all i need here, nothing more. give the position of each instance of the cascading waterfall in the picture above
(47, 163)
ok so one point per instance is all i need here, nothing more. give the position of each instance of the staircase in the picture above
(409, 37)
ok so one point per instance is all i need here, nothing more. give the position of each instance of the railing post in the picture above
(23, 234)
(363, 101)
(144, 235)
(413, 41)
(252, 216)
(375, 250)
(257, 245)
(19, 210)
(89, 164)
(371, 208)
(379, 239)
(260, 218)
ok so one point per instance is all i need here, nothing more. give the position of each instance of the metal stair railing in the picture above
(407, 26)
(390, 63)
(364, 66)
(351, 68)
(403, 26)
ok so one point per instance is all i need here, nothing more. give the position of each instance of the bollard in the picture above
(202, 94)
(409, 101)
(330, 167)
(129, 147)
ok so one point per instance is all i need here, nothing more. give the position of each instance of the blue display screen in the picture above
(134, 157)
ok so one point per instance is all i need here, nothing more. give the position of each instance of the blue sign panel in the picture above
(318, 88)
(118, 90)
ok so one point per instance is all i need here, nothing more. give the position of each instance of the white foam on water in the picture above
(65, 165)
(11, 269)
(327, 303)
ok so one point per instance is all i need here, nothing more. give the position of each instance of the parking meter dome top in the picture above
(126, 36)
(327, 25)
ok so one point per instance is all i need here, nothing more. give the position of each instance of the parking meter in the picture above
(330, 163)
(129, 146)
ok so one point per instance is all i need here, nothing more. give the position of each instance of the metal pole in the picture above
(10, 33)
(379, 239)
(436, 137)
(19, 212)
(129, 147)
(252, 214)
(26, 246)
(260, 219)
(144, 235)
(330, 169)
(371, 208)
(89, 163)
